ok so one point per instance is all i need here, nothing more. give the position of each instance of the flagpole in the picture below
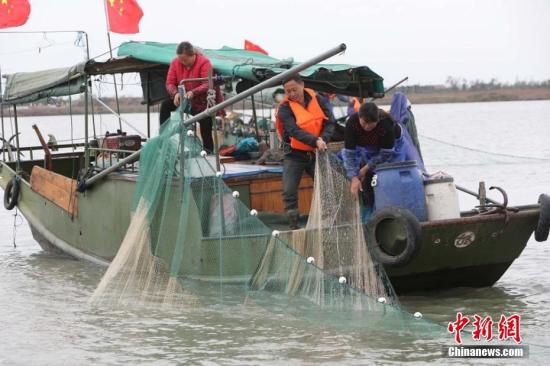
(111, 53)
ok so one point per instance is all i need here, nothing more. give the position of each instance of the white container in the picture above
(441, 199)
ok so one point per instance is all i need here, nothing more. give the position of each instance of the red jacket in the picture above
(177, 71)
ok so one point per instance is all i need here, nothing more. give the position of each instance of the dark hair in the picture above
(369, 112)
(296, 77)
(185, 48)
(278, 91)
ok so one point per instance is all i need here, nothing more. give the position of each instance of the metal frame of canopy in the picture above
(71, 78)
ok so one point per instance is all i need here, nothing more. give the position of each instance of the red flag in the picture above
(123, 16)
(14, 13)
(249, 46)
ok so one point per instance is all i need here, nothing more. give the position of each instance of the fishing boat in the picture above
(80, 203)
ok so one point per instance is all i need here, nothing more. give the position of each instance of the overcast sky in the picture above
(427, 40)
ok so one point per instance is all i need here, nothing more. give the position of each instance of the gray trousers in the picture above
(295, 162)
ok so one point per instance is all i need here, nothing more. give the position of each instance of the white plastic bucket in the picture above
(441, 199)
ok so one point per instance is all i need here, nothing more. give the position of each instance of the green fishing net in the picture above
(193, 243)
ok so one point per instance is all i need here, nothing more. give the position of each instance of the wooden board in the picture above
(267, 194)
(56, 188)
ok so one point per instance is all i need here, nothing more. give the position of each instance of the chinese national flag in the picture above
(14, 13)
(124, 16)
(249, 46)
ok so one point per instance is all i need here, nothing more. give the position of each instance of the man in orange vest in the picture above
(305, 124)
(354, 104)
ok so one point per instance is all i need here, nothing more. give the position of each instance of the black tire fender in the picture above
(543, 225)
(11, 193)
(408, 225)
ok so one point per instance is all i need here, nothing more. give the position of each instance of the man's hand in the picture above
(321, 145)
(189, 95)
(356, 187)
(177, 99)
(363, 172)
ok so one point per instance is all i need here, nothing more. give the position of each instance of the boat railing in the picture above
(31, 149)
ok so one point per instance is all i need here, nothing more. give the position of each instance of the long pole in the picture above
(111, 54)
(147, 100)
(89, 85)
(209, 112)
(397, 84)
(86, 121)
(211, 101)
(16, 139)
(86, 145)
(2, 118)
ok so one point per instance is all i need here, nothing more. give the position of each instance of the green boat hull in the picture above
(472, 251)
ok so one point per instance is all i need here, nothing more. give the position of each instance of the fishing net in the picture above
(333, 240)
(192, 242)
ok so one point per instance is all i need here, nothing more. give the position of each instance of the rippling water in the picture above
(45, 318)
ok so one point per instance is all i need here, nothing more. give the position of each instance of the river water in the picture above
(45, 318)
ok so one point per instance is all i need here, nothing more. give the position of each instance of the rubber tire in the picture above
(543, 226)
(11, 194)
(413, 231)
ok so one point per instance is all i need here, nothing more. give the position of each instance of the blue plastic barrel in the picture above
(400, 184)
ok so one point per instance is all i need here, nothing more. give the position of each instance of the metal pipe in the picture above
(215, 78)
(212, 111)
(397, 84)
(16, 139)
(182, 137)
(102, 149)
(86, 144)
(64, 146)
(465, 190)
(93, 113)
(147, 100)
(393, 86)
(212, 92)
(266, 84)
(2, 118)
(111, 54)
(211, 101)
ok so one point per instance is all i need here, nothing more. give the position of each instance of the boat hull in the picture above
(472, 251)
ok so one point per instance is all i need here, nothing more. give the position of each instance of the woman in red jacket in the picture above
(190, 64)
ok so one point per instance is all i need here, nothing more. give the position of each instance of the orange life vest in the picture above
(356, 104)
(310, 120)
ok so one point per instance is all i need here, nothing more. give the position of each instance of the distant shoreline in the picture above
(472, 96)
(133, 105)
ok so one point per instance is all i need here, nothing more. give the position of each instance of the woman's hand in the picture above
(356, 187)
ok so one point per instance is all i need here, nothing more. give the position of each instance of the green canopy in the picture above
(255, 67)
(26, 87)
(151, 60)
